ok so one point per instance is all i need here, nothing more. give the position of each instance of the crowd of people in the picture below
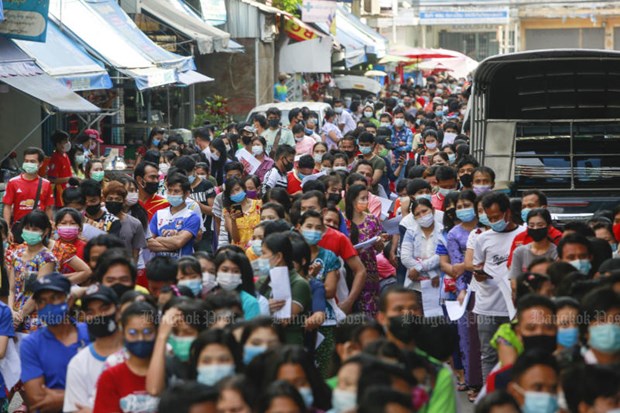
(364, 264)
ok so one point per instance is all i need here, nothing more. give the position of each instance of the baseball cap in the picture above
(89, 134)
(99, 292)
(52, 282)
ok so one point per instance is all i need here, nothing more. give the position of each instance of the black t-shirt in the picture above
(201, 193)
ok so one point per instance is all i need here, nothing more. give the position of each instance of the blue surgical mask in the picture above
(53, 314)
(481, 189)
(484, 220)
(365, 150)
(424, 196)
(444, 192)
(249, 352)
(211, 374)
(194, 285)
(312, 237)
(605, 338)
(343, 400)
(175, 200)
(539, 402)
(257, 247)
(238, 197)
(568, 337)
(191, 179)
(97, 175)
(306, 394)
(583, 266)
(263, 266)
(439, 113)
(466, 214)
(156, 142)
(141, 349)
(308, 132)
(524, 213)
(499, 226)
(451, 158)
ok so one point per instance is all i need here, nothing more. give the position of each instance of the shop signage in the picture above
(466, 17)
(317, 11)
(25, 19)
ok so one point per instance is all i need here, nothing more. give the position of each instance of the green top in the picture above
(443, 393)
(506, 335)
(302, 296)
(332, 382)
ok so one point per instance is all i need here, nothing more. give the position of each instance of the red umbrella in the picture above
(420, 53)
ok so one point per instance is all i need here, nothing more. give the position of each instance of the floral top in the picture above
(247, 223)
(64, 252)
(25, 273)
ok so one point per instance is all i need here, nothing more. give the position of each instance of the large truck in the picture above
(550, 120)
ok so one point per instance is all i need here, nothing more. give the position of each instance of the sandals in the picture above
(472, 395)
(461, 386)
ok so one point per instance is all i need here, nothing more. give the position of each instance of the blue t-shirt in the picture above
(250, 305)
(329, 262)
(43, 355)
(164, 222)
(6, 329)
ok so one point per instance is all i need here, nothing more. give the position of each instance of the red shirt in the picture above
(154, 204)
(294, 183)
(59, 167)
(523, 238)
(338, 243)
(21, 193)
(121, 390)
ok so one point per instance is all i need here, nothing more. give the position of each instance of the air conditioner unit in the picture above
(371, 7)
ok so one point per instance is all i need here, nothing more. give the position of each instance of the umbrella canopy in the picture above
(375, 73)
(420, 53)
(393, 59)
(434, 65)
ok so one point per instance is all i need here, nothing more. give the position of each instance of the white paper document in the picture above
(366, 244)
(313, 177)
(249, 162)
(10, 366)
(430, 299)
(281, 290)
(391, 225)
(386, 204)
(456, 310)
(89, 232)
(506, 290)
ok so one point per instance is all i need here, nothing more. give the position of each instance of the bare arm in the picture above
(156, 374)
(175, 242)
(7, 212)
(40, 398)
(331, 284)
(469, 259)
(81, 271)
(359, 279)
(376, 176)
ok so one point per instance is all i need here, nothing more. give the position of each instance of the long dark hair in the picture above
(448, 219)
(217, 167)
(352, 193)
(242, 261)
(77, 167)
(230, 184)
(38, 219)
(137, 211)
(280, 242)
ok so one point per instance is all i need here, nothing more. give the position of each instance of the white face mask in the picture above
(208, 281)
(228, 280)
(163, 168)
(132, 198)
(66, 147)
(425, 221)
(257, 150)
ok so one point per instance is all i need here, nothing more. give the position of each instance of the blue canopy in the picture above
(63, 59)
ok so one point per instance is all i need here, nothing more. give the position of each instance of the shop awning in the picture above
(178, 16)
(63, 59)
(192, 77)
(375, 44)
(19, 71)
(111, 45)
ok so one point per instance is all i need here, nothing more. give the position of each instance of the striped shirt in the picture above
(274, 179)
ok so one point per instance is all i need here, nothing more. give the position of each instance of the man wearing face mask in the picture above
(465, 169)
(577, 251)
(367, 148)
(175, 228)
(402, 137)
(534, 384)
(602, 312)
(277, 177)
(275, 135)
(446, 181)
(491, 252)
(100, 305)
(26, 192)
(344, 120)
(401, 315)
(146, 175)
(59, 168)
(46, 353)
(95, 215)
(118, 271)
(305, 167)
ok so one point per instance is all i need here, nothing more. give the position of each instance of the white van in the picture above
(286, 107)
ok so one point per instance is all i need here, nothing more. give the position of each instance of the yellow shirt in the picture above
(247, 223)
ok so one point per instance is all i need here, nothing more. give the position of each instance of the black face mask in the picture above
(538, 234)
(334, 197)
(102, 326)
(114, 208)
(246, 140)
(405, 327)
(151, 187)
(273, 123)
(288, 166)
(351, 154)
(451, 213)
(544, 343)
(121, 289)
(93, 210)
(466, 180)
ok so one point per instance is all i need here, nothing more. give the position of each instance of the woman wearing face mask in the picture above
(234, 273)
(68, 248)
(259, 335)
(94, 170)
(483, 225)
(256, 243)
(431, 147)
(183, 320)
(131, 232)
(568, 316)
(156, 137)
(293, 365)
(602, 312)
(127, 380)
(278, 252)
(419, 246)
(218, 159)
(189, 274)
(207, 267)
(364, 227)
(452, 263)
(318, 151)
(29, 261)
(214, 355)
(538, 224)
(252, 186)
(241, 213)
(369, 114)
(324, 267)
(132, 206)
(258, 150)
(281, 396)
(330, 132)
(78, 160)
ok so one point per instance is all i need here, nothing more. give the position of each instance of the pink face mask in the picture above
(68, 233)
